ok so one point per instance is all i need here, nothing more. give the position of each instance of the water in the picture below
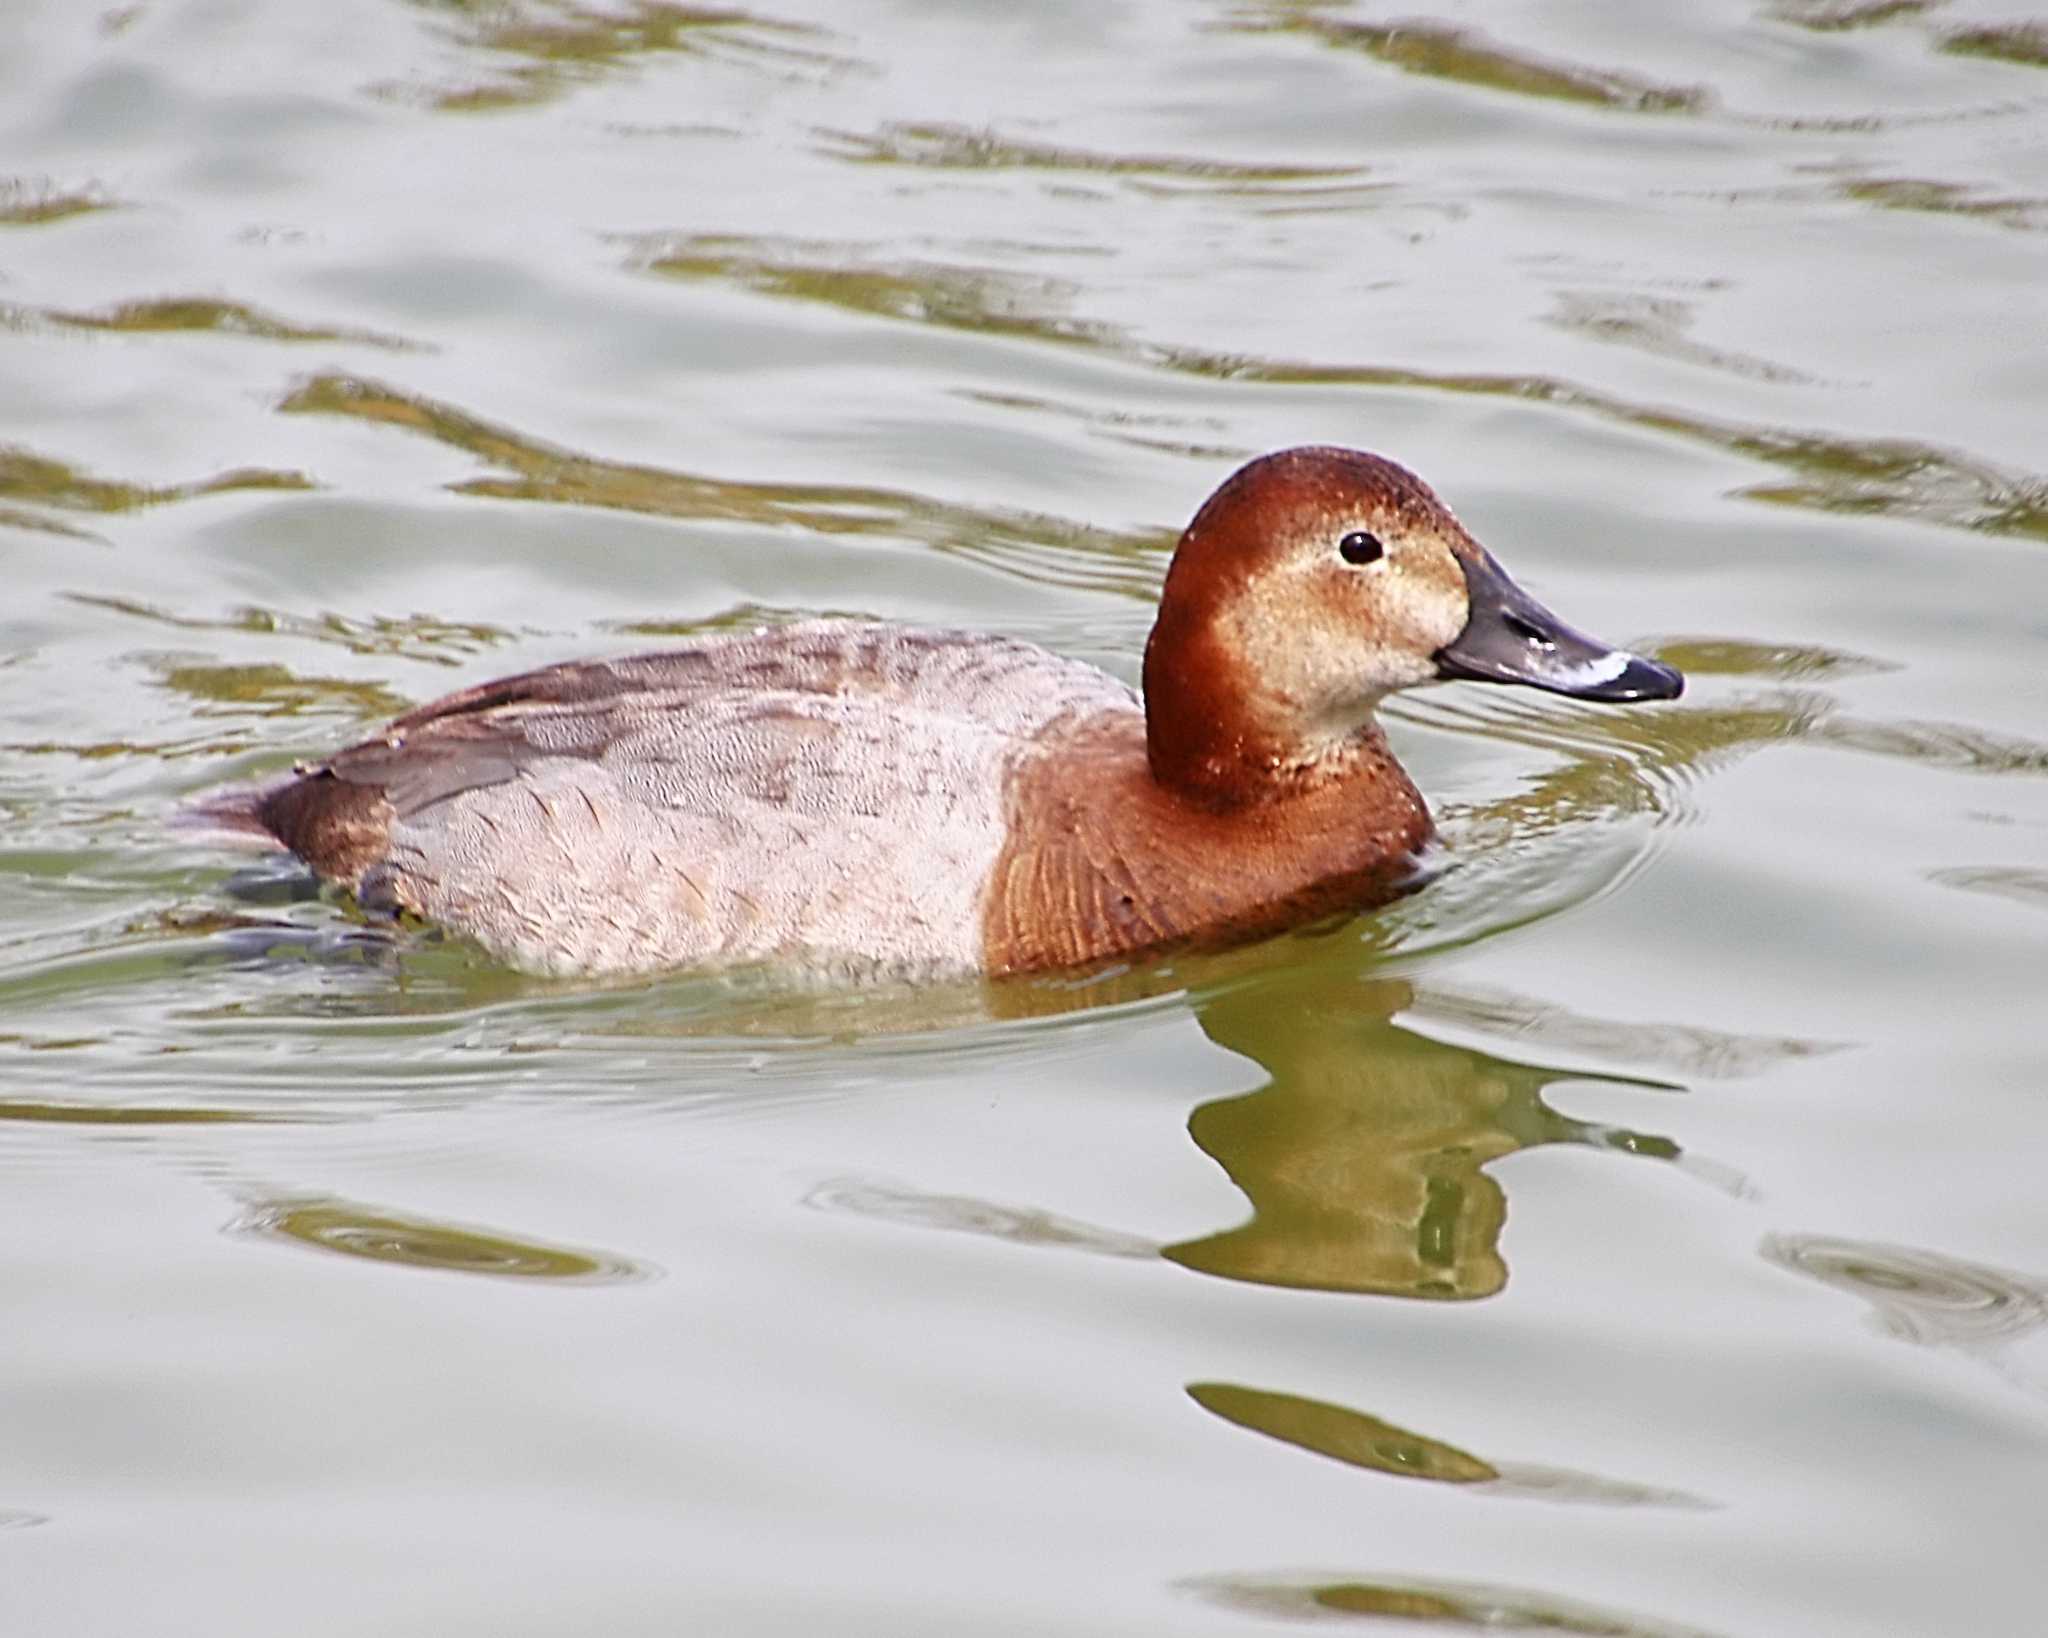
(1639, 1232)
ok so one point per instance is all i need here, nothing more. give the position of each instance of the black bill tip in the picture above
(1644, 679)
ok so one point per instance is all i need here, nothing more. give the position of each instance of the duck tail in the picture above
(235, 812)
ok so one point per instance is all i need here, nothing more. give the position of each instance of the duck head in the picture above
(1311, 585)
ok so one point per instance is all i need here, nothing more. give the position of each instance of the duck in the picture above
(874, 798)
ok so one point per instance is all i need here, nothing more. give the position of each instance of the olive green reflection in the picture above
(1440, 51)
(1031, 545)
(1343, 1435)
(1890, 477)
(420, 1242)
(28, 477)
(277, 691)
(1492, 1611)
(1363, 1158)
(1839, 16)
(543, 49)
(413, 636)
(2025, 44)
(89, 1114)
(948, 296)
(26, 203)
(1913, 193)
(169, 314)
(1471, 1606)
(939, 146)
(1359, 1440)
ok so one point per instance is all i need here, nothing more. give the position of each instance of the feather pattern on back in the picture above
(829, 789)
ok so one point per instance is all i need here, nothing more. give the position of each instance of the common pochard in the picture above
(884, 798)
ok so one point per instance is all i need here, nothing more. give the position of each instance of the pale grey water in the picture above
(1640, 1232)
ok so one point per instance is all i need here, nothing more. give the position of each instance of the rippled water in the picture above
(1640, 1232)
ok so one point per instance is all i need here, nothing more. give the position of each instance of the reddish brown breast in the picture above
(1102, 859)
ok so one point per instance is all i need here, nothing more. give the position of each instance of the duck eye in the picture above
(1360, 547)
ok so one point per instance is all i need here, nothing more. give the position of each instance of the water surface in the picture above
(1637, 1233)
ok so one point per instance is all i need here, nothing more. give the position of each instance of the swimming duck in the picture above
(881, 798)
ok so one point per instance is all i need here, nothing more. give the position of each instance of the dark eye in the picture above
(1360, 547)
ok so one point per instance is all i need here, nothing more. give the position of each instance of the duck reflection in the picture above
(1364, 1157)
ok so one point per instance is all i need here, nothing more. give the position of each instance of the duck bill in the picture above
(1509, 637)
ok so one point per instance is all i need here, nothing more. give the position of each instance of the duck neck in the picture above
(1212, 741)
